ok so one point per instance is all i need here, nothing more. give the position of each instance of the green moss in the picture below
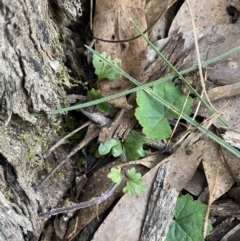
(37, 140)
(62, 76)
(48, 167)
(8, 194)
(58, 174)
(80, 162)
(70, 124)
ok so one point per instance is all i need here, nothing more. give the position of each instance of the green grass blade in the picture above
(177, 73)
(126, 92)
(168, 105)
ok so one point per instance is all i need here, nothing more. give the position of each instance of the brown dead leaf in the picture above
(206, 14)
(216, 35)
(214, 41)
(197, 184)
(232, 137)
(153, 10)
(233, 165)
(230, 113)
(126, 219)
(152, 160)
(233, 234)
(157, 18)
(183, 165)
(112, 22)
(97, 184)
(217, 173)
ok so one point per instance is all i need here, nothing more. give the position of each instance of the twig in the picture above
(94, 201)
(47, 153)
(77, 148)
(97, 118)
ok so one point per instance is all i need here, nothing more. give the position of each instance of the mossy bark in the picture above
(32, 59)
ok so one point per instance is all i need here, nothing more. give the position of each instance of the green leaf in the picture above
(115, 174)
(104, 70)
(133, 146)
(112, 145)
(153, 116)
(95, 95)
(189, 220)
(135, 184)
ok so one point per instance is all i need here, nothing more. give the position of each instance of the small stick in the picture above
(94, 201)
(47, 153)
(77, 148)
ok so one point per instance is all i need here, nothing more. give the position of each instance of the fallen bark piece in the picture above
(160, 208)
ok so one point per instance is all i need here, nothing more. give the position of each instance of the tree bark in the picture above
(33, 73)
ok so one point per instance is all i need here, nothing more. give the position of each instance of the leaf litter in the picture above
(221, 168)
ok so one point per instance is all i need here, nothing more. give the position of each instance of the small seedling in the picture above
(135, 184)
(115, 174)
(95, 95)
(131, 148)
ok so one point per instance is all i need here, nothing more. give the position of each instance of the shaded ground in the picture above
(43, 74)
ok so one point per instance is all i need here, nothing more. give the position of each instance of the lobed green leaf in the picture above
(103, 70)
(189, 220)
(135, 184)
(114, 146)
(133, 146)
(115, 174)
(153, 116)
